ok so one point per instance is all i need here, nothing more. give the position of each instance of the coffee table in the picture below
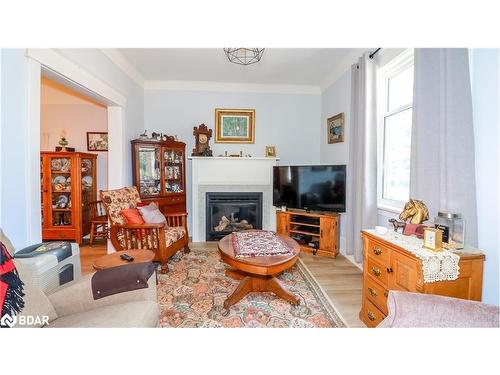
(114, 260)
(258, 274)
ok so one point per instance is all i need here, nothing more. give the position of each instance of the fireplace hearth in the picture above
(232, 211)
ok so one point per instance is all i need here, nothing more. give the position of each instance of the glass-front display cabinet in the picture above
(159, 168)
(68, 186)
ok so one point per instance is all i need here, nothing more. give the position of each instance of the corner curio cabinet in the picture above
(159, 172)
(68, 185)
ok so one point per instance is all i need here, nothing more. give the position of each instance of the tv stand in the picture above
(316, 233)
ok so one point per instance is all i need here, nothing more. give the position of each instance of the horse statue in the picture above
(416, 211)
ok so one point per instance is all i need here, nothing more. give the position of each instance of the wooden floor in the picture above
(341, 280)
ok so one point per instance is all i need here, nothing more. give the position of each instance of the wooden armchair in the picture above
(98, 222)
(163, 239)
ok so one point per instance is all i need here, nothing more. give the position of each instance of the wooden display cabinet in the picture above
(320, 228)
(68, 185)
(159, 172)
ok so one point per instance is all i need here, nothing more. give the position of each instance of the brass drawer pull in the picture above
(389, 270)
(376, 271)
(371, 316)
(377, 251)
(372, 292)
(386, 294)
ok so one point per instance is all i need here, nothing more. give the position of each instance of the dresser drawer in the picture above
(377, 271)
(376, 294)
(372, 316)
(377, 251)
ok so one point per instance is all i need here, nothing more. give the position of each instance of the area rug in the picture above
(193, 292)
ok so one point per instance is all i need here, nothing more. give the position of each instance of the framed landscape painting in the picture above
(234, 125)
(97, 141)
(335, 128)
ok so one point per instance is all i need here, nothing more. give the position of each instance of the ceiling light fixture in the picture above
(244, 56)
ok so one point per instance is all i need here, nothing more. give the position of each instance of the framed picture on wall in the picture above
(234, 125)
(97, 141)
(335, 128)
(270, 151)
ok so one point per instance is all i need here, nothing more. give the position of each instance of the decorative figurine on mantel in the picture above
(202, 137)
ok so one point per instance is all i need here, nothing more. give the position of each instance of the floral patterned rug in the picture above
(192, 294)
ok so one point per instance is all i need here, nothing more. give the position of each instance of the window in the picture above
(394, 131)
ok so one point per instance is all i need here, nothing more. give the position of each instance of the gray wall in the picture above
(337, 99)
(288, 121)
(485, 101)
(13, 146)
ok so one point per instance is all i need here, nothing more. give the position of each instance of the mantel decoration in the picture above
(234, 125)
(270, 151)
(335, 128)
(202, 137)
(244, 56)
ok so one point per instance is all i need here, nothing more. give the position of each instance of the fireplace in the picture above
(231, 212)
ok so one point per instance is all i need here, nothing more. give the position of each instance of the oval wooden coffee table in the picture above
(114, 260)
(258, 274)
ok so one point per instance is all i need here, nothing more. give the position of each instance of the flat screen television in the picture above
(310, 187)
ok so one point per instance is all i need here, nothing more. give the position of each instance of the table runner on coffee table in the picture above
(258, 244)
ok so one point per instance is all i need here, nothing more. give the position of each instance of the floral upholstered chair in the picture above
(164, 239)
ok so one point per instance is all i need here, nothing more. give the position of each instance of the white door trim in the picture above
(65, 67)
(73, 76)
(33, 207)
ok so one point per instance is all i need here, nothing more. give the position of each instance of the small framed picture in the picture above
(433, 239)
(97, 141)
(335, 128)
(270, 151)
(234, 125)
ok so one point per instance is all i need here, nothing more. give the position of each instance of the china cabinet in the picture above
(159, 172)
(68, 185)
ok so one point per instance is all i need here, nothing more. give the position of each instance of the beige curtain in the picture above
(362, 168)
(442, 150)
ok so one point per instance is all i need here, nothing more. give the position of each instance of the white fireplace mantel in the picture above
(230, 174)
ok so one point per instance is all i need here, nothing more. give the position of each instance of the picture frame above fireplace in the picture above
(234, 125)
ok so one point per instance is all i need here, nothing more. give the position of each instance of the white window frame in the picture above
(384, 74)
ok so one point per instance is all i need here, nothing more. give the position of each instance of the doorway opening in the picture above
(73, 163)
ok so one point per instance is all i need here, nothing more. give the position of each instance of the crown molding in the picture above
(341, 67)
(232, 87)
(124, 65)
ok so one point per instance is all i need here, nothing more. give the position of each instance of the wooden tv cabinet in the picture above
(320, 228)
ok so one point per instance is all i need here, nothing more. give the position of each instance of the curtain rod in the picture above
(374, 53)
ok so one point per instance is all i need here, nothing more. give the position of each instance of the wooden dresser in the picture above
(387, 266)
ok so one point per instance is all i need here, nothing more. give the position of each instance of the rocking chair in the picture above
(163, 239)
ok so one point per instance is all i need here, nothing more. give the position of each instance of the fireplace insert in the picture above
(230, 212)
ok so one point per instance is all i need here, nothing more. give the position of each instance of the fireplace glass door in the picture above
(231, 212)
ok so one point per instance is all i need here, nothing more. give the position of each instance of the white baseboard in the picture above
(350, 258)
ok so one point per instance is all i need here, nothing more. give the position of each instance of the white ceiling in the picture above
(290, 66)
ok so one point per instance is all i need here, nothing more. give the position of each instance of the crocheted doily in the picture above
(436, 266)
